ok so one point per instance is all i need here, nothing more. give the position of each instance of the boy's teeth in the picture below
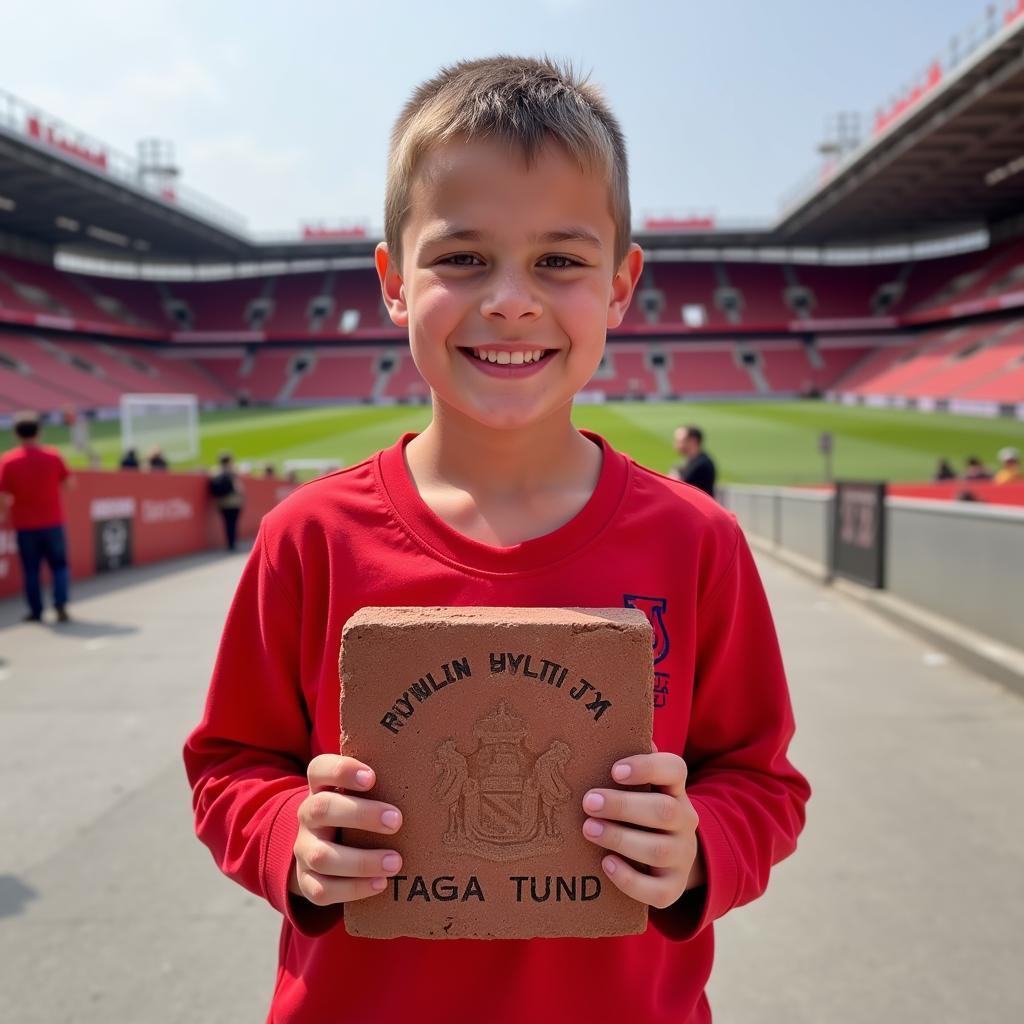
(506, 358)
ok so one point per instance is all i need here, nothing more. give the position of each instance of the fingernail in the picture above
(364, 777)
(621, 772)
(390, 819)
(392, 862)
(593, 828)
(378, 884)
(609, 865)
(593, 802)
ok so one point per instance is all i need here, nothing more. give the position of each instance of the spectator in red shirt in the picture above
(31, 475)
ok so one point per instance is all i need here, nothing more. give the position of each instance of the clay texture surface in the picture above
(486, 726)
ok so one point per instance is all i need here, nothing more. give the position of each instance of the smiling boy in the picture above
(507, 257)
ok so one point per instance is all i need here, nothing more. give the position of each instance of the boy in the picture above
(507, 256)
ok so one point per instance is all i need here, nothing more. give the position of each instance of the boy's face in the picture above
(503, 258)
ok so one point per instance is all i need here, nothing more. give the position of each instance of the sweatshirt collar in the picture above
(433, 533)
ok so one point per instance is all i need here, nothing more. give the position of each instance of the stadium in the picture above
(894, 280)
(832, 357)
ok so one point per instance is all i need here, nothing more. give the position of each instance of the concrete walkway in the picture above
(904, 903)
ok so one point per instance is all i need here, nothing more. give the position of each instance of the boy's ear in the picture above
(624, 283)
(391, 285)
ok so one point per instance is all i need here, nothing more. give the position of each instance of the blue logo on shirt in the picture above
(654, 609)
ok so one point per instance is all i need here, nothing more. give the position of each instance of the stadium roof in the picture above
(944, 160)
(61, 188)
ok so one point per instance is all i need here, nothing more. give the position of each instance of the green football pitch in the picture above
(752, 442)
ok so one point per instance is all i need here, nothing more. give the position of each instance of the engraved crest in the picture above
(502, 797)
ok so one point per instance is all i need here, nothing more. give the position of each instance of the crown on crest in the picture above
(500, 726)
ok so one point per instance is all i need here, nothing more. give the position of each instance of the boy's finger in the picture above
(666, 771)
(331, 859)
(334, 771)
(323, 891)
(654, 890)
(339, 810)
(655, 849)
(648, 810)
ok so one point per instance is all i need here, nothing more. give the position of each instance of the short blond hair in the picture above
(521, 101)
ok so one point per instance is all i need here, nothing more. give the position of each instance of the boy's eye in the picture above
(559, 262)
(462, 259)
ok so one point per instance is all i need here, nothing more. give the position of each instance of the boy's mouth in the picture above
(505, 363)
(507, 357)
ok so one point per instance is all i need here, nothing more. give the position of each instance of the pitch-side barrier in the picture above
(117, 519)
(952, 571)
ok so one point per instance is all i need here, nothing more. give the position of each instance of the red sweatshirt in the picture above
(363, 536)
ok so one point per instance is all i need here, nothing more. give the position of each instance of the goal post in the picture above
(167, 422)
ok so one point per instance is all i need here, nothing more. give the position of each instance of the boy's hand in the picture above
(325, 872)
(667, 842)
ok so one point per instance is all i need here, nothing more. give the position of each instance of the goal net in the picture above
(167, 422)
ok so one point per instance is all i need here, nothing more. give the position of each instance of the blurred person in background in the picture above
(31, 476)
(944, 471)
(269, 472)
(699, 467)
(227, 490)
(78, 430)
(976, 469)
(1009, 467)
(156, 460)
(130, 459)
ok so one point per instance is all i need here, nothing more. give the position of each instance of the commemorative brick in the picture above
(486, 726)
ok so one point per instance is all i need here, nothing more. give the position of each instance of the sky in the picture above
(282, 111)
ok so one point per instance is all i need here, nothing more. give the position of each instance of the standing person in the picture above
(507, 257)
(229, 492)
(975, 469)
(78, 430)
(156, 461)
(1009, 467)
(32, 474)
(699, 468)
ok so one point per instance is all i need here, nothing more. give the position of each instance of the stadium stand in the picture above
(33, 288)
(688, 291)
(339, 374)
(758, 291)
(404, 382)
(138, 303)
(292, 300)
(816, 291)
(986, 361)
(78, 380)
(625, 372)
(704, 369)
(248, 319)
(198, 307)
(255, 377)
(357, 303)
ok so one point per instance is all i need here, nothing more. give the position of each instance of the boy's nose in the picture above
(510, 298)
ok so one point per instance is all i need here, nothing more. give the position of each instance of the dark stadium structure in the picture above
(801, 307)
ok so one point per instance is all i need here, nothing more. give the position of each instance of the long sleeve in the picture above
(749, 798)
(246, 760)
